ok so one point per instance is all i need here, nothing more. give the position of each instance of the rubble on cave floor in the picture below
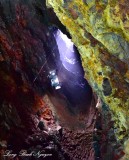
(55, 142)
(62, 143)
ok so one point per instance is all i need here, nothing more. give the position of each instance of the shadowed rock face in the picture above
(107, 90)
(25, 44)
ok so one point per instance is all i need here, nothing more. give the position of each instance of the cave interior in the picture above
(48, 109)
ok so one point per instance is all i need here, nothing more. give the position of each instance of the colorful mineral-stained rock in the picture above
(21, 45)
(100, 30)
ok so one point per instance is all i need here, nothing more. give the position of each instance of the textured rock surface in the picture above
(24, 44)
(100, 30)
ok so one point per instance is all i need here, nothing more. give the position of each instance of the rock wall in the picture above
(100, 30)
(25, 44)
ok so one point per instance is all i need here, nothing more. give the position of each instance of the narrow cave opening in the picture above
(73, 94)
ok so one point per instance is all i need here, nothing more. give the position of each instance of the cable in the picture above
(41, 69)
(43, 65)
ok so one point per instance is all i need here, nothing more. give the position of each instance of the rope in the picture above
(41, 69)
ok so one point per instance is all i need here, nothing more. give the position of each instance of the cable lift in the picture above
(52, 76)
(54, 79)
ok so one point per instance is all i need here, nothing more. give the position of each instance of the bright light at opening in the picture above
(68, 54)
(68, 41)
